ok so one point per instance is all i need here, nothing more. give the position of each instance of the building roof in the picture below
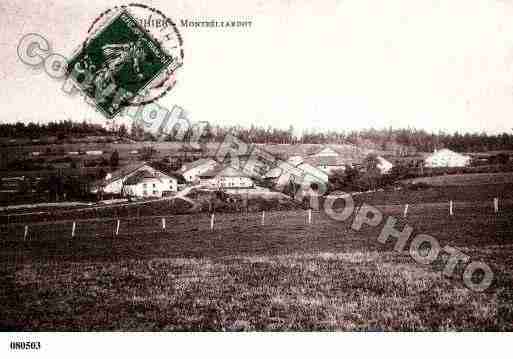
(274, 172)
(125, 171)
(304, 168)
(384, 165)
(345, 150)
(326, 151)
(336, 157)
(178, 176)
(314, 172)
(330, 161)
(308, 156)
(305, 150)
(295, 160)
(445, 152)
(383, 160)
(121, 172)
(226, 171)
(202, 161)
(139, 177)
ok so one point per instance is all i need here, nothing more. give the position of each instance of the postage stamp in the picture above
(163, 30)
(119, 62)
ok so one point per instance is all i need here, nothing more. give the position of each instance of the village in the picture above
(124, 170)
(173, 172)
(273, 228)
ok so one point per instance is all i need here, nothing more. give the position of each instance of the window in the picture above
(145, 193)
(145, 185)
(154, 185)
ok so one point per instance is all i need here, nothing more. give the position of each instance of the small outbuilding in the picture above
(447, 158)
(226, 177)
(193, 170)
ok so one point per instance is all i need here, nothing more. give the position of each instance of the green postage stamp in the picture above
(117, 64)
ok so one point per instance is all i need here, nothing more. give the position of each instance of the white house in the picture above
(328, 164)
(325, 152)
(384, 165)
(313, 174)
(144, 184)
(134, 177)
(191, 171)
(226, 177)
(447, 158)
(295, 160)
(297, 172)
(94, 153)
(329, 159)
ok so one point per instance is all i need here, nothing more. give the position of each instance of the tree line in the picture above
(401, 141)
(59, 129)
(405, 141)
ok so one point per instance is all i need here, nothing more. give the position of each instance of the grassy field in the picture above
(466, 179)
(442, 194)
(285, 275)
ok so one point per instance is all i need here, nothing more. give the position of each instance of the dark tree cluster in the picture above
(401, 141)
(404, 141)
(61, 129)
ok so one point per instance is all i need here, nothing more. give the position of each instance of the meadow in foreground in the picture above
(242, 276)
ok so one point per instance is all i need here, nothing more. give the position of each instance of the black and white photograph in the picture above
(272, 167)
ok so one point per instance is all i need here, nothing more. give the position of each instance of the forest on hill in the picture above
(402, 141)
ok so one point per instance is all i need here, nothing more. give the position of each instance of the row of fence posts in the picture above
(451, 207)
(262, 221)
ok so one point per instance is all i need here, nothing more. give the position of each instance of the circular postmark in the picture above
(164, 31)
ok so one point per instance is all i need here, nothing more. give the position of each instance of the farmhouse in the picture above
(447, 158)
(325, 152)
(296, 171)
(384, 165)
(144, 184)
(327, 164)
(191, 171)
(416, 161)
(139, 180)
(329, 159)
(226, 177)
(313, 174)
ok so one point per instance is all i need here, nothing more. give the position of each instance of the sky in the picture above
(341, 65)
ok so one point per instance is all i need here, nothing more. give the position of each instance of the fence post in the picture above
(496, 204)
(451, 212)
(310, 216)
(163, 223)
(117, 228)
(26, 233)
(405, 210)
(212, 222)
(73, 229)
(263, 218)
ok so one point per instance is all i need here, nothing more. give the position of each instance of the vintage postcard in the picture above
(281, 166)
